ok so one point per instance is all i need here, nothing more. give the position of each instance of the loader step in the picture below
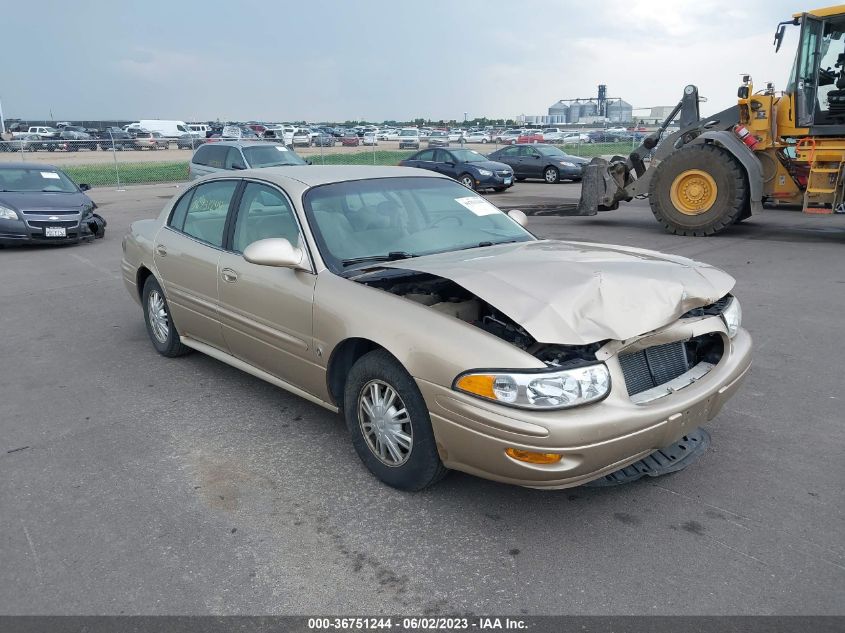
(819, 211)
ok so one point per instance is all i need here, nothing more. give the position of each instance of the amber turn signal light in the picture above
(533, 457)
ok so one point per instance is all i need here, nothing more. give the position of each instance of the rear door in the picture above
(266, 311)
(186, 255)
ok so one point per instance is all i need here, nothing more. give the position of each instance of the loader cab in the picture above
(818, 73)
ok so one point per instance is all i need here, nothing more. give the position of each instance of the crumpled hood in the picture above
(577, 293)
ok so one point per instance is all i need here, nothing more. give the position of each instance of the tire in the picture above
(499, 189)
(551, 175)
(413, 469)
(166, 342)
(467, 181)
(731, 197)
(484, 141)
(520, 178)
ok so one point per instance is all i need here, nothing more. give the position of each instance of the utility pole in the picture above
(2, 120)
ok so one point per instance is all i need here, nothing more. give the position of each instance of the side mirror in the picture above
(238, 166)
(518, 216)
(274, 251)
(84, 187)
(449, 163)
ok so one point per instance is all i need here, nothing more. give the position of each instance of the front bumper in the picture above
(33, 230)
(409, 144)
(472, 434)
(498, 179)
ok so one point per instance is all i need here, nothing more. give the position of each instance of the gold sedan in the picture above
(444, 332)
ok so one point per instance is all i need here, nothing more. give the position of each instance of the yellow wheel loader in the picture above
(716, 171)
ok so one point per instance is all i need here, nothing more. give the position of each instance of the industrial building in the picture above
(585, 110)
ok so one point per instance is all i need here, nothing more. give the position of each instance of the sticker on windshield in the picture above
(281, 149)
(50, 174)
(479, 206)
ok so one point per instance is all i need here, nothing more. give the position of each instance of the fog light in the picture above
(533, 457)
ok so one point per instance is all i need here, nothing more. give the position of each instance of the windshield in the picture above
(26, 179)
(408, 133)
(468, 156)
(412, 216)
(271, 156)
(548, 150)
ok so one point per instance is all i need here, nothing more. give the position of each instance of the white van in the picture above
(198, 130)
(168, 129)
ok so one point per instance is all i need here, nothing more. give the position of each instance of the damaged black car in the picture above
(40, 204)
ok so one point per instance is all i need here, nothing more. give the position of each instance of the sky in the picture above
(338, 60)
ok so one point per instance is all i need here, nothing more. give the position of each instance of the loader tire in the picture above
(698, 190)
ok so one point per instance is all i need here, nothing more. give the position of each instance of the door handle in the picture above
(161, 250)
(229, 275)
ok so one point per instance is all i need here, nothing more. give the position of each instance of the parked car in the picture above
(23, 143)
(468, 167)
(40, 204)
(438, 139)
(369, 138)
(409, 138)
(324, 139)
(541, 161)
(552, 135)
(301, 137)
(115, 138)
(477, 137)
(189, 141)
(528, 136)
(237, 155)
(350, 139)
(385, 135)
(77, 138)
(197, 130)
(167, 129)
(606, 136)
(576, 139)
(510, 136)
(455, 135)
(150, 140)
(445, 334)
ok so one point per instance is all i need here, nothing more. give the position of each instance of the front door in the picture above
(446, 163)
(266, 311)
(186, 256)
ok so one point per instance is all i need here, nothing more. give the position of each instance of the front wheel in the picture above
(551, 175)
(160, 327)
(699, 190)
(499, 189)
(467, 181)
(389, 423)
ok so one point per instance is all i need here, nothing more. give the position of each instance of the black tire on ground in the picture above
(499, 189)
(169, 345)
(467, 181)
(732, 197)
(520, 178)
(551, 175)
(422, 466)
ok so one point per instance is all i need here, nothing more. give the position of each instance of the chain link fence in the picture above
(150, 158)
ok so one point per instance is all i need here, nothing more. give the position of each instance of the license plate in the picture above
(508, 181)
(55, 231)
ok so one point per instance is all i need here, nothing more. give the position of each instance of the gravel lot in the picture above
(131, 483)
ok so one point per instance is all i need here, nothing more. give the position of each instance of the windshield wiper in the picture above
(391, 256)
(483, 244)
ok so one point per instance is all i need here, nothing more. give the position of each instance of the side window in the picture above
(264, 212)
(201, 155)
(442, 156)
(234, 160)
(177, 217)
(206, 215)
(181, 128)
(511, 152)
(426, 155)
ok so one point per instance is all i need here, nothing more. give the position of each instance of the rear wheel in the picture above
(699, 190)
(160, 328)
(389, 423)
(467, 181)
(551, 175)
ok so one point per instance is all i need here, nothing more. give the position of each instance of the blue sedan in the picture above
(468, 167)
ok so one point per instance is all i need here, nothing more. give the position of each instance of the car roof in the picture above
(236, 143)
(315, 175)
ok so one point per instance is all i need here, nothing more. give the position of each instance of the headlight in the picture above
(539, 390)
(485, 172)
(732, 316)
(7, 214)
(566, 163)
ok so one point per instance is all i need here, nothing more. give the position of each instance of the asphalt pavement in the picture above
(136, 484)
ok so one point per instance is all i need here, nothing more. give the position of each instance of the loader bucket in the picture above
(592, 187)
